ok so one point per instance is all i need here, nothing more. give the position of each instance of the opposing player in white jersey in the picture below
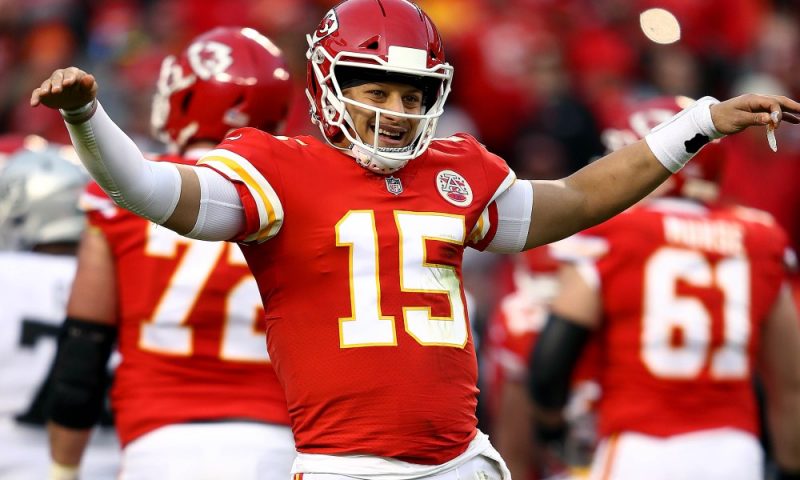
(39, 230)
(195, 375)
(357, 242)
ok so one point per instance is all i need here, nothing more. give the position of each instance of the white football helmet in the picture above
(39, 193)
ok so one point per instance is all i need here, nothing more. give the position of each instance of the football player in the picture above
(688, 298)
(40, 225)
(356, 241)
(512, 331)
(195, 395)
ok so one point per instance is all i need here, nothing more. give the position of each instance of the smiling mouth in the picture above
(389, 137)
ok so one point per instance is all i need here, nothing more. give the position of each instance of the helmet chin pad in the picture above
(375, 162)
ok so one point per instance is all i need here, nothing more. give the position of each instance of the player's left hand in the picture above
(736, 114)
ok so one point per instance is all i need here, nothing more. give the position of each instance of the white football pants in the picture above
(477, 468)
(718, 454)
(211, 451)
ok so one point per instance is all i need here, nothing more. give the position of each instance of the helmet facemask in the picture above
(404, 65)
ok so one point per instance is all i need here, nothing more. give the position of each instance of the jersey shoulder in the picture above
(763, 234)
(255, 162)
(256, 145)
(254, 157)
(463, 144)
(462, 156)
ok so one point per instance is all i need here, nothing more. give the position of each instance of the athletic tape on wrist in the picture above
(677, 140)
(76, 116)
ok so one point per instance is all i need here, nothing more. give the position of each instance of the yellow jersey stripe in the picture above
(479, 230)
(266, 199)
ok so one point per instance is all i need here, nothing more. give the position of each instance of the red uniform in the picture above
(516, 322)
(190, 327)
(685, 289)
(513, 330)
(366, 318)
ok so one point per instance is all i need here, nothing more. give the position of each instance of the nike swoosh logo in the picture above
(235, 137)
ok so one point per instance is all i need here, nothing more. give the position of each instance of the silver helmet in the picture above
(39, 191)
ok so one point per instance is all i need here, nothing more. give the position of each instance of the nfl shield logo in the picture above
(394, 186)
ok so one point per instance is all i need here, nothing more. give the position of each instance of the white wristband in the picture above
(62, 472)
(79, 115)
(677, 140)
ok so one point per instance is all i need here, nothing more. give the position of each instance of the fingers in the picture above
(787, 104)
(782, 108)
(65, 87)
(791, 118)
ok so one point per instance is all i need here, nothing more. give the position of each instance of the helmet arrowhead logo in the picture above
(328, 25)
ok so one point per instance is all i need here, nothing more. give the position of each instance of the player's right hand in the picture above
(67, 88)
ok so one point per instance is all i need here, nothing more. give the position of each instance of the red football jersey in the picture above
(685, 289)
(366, 318)
(191, 327)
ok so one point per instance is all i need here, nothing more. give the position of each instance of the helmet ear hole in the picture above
(373, 43)
(239, 100)
(186, 102)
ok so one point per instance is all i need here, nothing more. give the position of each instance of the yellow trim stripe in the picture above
(478, 231)
(253, 185)
(247, 179)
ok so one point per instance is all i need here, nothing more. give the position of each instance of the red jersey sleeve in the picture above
(498, 176)
(258, 188)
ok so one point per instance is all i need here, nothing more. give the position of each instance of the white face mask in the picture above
(371, 156)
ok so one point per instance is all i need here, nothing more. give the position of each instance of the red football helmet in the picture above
(698, 179)
(389, 40)
(226, 78)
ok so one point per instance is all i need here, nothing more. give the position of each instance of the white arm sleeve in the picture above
(150, 189)
(221, 214)
(514, 209)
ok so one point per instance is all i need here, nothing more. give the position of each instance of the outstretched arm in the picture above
(166, 193)
(615, 182)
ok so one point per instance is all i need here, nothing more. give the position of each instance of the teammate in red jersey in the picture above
(195, 375)
(512, 332)
(688, 300)
(356, 243)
